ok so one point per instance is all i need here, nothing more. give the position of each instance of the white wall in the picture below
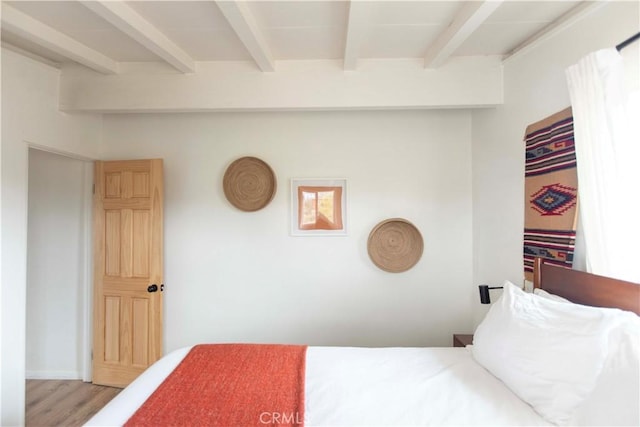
(238, 276)
(535, 87)
(29, 115)
(56, 261)
(1, 234)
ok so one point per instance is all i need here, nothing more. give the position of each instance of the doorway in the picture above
(58, 326)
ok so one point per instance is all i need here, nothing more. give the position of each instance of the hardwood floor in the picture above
(64, 403)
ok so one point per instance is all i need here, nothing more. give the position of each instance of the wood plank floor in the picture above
(64, 403)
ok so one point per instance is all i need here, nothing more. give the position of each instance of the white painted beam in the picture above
(31, 55)
(130, 22)
(463, 82)
(563, 22)
(466, 21)
(241, 19)
(356, 24)
(28, 28)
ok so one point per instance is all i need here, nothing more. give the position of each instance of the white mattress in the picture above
(351, 386)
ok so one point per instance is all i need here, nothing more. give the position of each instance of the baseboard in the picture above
(54, 375)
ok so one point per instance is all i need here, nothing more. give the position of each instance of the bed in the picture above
(508, 376)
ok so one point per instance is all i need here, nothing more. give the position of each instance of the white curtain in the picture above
(607, 139)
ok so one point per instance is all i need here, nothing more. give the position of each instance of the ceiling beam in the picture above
(466, 21)
(130, 22)
(568, 19)
(355, 33)
(34, 31)
(463, 82)
(241, 19)
(31, 55)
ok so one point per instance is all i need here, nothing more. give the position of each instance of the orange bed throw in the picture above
(230, 385)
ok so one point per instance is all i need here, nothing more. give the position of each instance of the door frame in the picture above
(86, 275)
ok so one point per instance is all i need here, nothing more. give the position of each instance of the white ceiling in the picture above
(103, 34)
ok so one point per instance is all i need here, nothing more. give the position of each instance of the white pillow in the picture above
(544, 294)
(547, 352)
(615, 401)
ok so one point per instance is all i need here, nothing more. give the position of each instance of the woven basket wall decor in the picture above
(395, 245)
(249, 184)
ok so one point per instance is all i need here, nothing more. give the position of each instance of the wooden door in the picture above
(128, 234)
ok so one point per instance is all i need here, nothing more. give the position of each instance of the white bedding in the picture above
(351, 386)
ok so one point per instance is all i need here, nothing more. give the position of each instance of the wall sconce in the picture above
(484, 293)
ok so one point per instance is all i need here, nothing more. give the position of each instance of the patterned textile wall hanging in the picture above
(551, 192)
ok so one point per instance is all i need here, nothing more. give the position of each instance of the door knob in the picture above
(152, 288)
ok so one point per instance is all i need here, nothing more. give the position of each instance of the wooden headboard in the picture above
(586, 288)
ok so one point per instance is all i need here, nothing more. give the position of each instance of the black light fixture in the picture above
(484, 293)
